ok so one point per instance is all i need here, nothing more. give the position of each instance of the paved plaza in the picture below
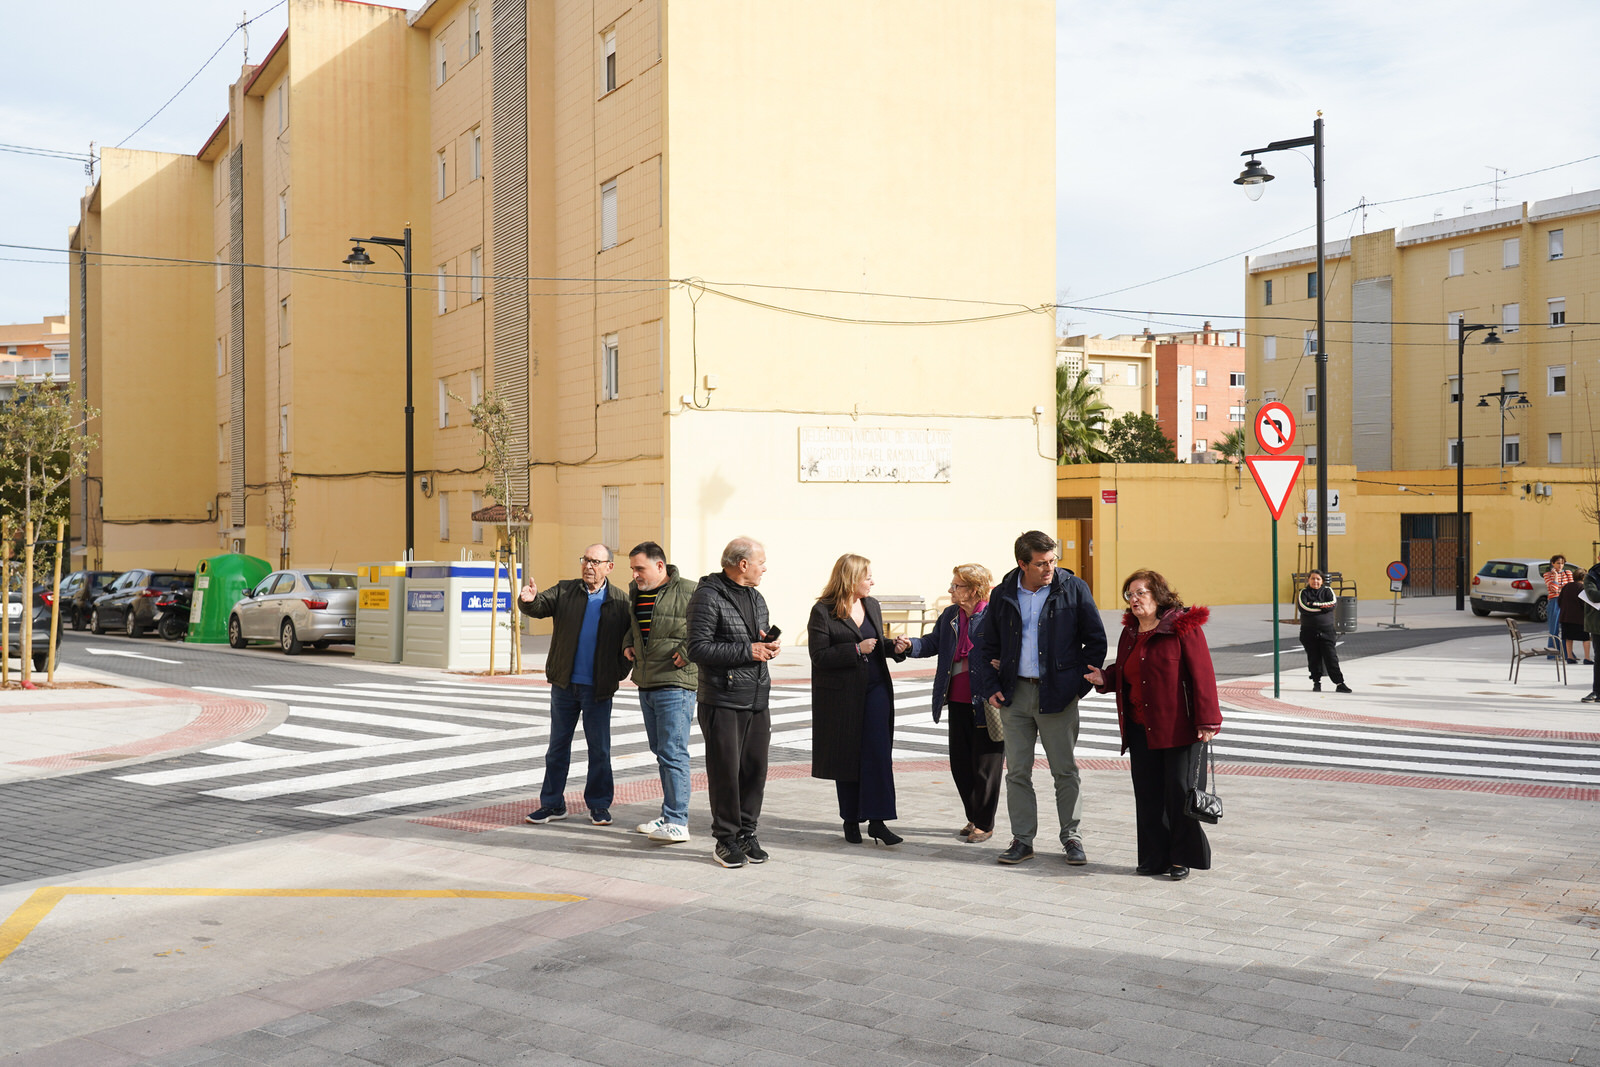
(1354, 915)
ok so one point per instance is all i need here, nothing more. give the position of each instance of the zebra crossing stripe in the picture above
(321, 696)
(342, 738)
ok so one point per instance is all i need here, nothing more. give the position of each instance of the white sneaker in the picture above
(651, 827)
(670, 834)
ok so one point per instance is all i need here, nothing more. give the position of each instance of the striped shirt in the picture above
(1554, 579)
(643, 609)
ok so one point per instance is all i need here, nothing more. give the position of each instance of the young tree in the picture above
(490, 418)
(1080, 418)
(1137, 438)
(282, 518)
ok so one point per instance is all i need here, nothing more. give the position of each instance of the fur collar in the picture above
(1181, 621)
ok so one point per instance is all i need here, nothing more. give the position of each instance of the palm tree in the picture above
(1080, 418)
(1232, 447)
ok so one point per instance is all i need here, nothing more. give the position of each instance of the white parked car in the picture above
(295, 608)
(1515, 586)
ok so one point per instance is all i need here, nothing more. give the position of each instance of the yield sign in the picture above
(1275, 476)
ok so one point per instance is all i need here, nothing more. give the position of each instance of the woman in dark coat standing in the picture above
(852, 700)
(977, 762)
(1166, 708)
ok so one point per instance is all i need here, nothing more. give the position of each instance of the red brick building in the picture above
(1200, 390)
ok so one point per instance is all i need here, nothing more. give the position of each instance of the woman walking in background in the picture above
(977, 761)
(1167, 709)
(852, 700)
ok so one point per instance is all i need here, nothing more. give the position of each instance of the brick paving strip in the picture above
(221, 718)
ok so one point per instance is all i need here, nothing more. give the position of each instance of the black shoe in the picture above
(1177, 873)
(882, 834)
(600, 816)
(852, 832)
(544, 815)
(1341, 688)
(1316, 687)
(752, 848)
(1592, 698)
(1149, 872)
(1016, 853)
(1075, 853)
(729, 854)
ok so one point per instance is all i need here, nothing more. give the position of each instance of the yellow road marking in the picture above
(32, 911)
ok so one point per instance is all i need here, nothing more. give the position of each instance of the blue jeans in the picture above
(668, 714)
(567, 703)
(1554, 617)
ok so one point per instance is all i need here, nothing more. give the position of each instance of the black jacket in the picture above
(725, 619)
(1071, 640)
(566, 602)
(1316, 611)
(839, 680)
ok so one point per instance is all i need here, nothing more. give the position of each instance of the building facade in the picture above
(33, 352)
(674, 287)
(1200, 390)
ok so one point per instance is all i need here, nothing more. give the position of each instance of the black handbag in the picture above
(1203, 806)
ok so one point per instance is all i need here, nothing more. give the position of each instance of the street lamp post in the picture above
(1516, 400)
(358, 258)
(1253, 178)
(1462, 544)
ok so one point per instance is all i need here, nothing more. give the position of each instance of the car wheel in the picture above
(236, 633)
(130, 625)
(41, 662)
(1480, 612)
(171, 628)
(1540, 612)
(94, 622)
(287, 639)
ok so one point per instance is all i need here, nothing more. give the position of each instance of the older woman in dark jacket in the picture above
(852, 700)
(1166, 707)
(977, 761)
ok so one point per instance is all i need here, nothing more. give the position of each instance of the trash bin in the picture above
(448, 611)
(219, 582)
(380, 611)
(1344, 610)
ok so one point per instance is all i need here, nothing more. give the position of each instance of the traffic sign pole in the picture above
(1277, 666)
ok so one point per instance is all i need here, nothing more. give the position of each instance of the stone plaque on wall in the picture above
(874, 454)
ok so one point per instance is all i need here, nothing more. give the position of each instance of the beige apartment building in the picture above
(1393, 302)
(33, 352)
(800, 292)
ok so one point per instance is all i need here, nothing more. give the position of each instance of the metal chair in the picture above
(1521, 651)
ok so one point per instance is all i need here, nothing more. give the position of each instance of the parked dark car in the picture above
(129, 604)
(79, 590)
(41, 628)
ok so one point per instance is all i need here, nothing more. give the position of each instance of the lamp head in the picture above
(1492, 339)
(1483, 401)
(1254, 178)
(358, 258)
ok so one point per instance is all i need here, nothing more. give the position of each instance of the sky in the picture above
(1155, 101)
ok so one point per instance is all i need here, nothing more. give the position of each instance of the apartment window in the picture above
(222, 357)
(283, 215)
(1097, 374)
(1511, 317)
(1511, 381)
(1558, 243)
(1155, 376)
(610, 368)
(443, 54)
(1311, 284)
(1155, 411)
(1458, 262)
(1311, 400)
(444, 288)
(608, 61)
(283, 106)
(1511, 252)
(1200, 376)
(474, 44)
(477, 153)
(1201, 444)
(608, 215)
(283, 321)
(1455, 389)
(1311, 343)
(1311, 455)
(610, 515)
(1269, 348)
(1558, 311)
(1133, 374)
(444, 516)
(477, 527)
(1200, 413)
(442, 166)
(444, 403)
(283, 428)
(1556, 381)
(1235, 412)
(1453, 331)
(1266, 288)
(475, 261)
(475, 387)
(1452, 447)
(1552, 448)
(1236, 379)
(1513, 450)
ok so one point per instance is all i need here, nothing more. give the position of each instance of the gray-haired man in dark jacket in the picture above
(728, 641)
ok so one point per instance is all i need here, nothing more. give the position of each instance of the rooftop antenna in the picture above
(244, 25)
(1362, 204)
(1497, 172)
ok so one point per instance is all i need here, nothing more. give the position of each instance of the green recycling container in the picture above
(219, 582)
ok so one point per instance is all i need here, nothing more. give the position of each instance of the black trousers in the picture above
(977, 763)
(1161, 780)
(871, 795)
(1322, 654)
(736, 767)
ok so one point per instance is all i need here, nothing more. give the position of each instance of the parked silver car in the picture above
(1515, 586)
(294, 608)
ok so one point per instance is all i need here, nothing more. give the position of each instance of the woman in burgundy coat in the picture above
(1166, 707)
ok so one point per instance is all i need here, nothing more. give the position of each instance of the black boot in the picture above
(882, 833)
(852, 832)
(1316, 685)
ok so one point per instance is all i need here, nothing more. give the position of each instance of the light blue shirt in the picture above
(1031, 605)
(583, 660)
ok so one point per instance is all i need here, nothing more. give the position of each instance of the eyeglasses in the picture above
(1135, 594)
(587, 562)
(1043, 563)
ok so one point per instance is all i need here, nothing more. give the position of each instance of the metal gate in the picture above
(1429, 545)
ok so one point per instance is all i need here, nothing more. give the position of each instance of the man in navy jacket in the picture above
(1044, 631)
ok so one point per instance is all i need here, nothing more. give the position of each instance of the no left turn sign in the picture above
(1274, 428)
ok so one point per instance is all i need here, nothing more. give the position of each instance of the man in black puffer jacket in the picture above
(728, 641)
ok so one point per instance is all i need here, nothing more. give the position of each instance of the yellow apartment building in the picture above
(800, 292)
(1122, 367)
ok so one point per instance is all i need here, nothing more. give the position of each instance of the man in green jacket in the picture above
(658, 645)
(1591, 624)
